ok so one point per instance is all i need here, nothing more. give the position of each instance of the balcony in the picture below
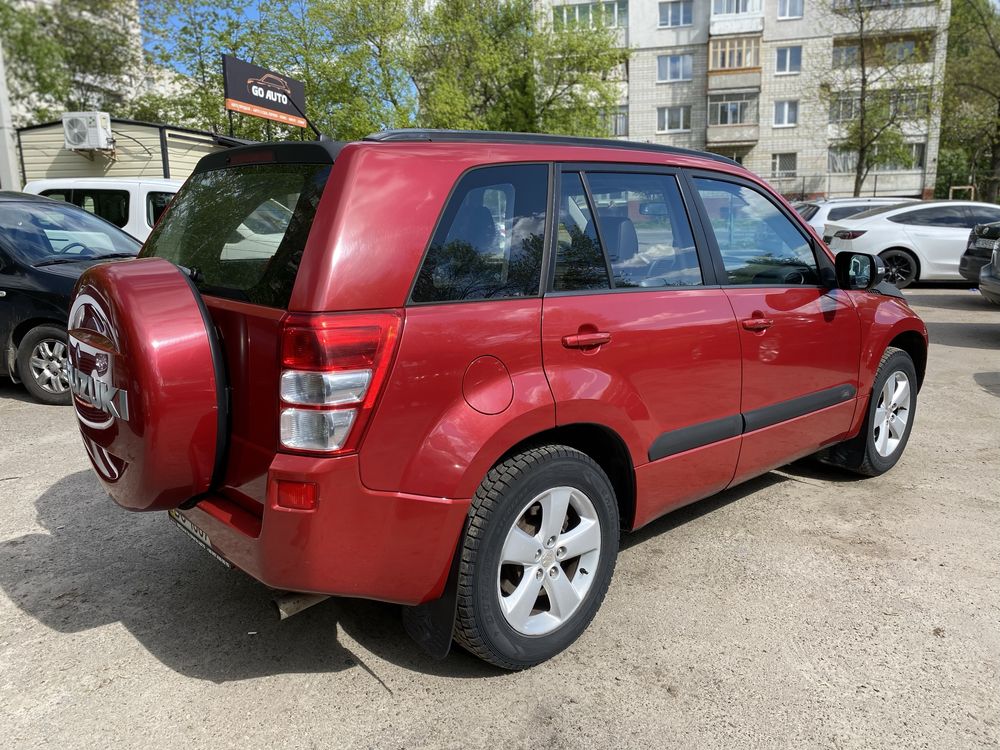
(744, 78)
(732, 135)
(748, 18)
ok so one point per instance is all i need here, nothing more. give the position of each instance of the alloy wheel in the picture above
(892, 413)
(50, 366)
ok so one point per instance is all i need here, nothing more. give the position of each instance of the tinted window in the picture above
(807, 210)
(39, 232)
(936, 216)
(579, 260)
(213, 222)
(57, 195)
(758, 243)
(488, 244)
(111, 205)
(984, 214)
(156, 204)
(842, 212)
(645, 230)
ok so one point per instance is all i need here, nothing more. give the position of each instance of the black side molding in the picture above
(796, 407)
(695, 436)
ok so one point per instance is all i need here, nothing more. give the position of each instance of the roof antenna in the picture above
(319, 135)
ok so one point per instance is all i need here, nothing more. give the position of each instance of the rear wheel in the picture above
(43, 364)
(892, 407)
(901, 267)
(537, 558)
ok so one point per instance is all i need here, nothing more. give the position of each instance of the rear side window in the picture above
(110, 205)
(645, 230)
(156, 204)
(984, 215)
(938, 216)
(489, 242)
(844, 211)
(758, 243)
(242, 230)
(579, 261)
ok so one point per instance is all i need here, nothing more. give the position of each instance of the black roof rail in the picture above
(490, 136)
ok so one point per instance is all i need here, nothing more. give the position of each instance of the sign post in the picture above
(259, 92)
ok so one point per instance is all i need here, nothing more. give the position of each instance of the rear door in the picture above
(940, 233)
(801, 339)
(636, 337)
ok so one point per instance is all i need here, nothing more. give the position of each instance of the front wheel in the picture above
(900, 267)
(538, 556)
(892, 408)
(43, 364)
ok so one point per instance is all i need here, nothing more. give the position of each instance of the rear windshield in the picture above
(241, 230)
(807, 210)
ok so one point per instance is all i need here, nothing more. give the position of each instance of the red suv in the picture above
(445, 369)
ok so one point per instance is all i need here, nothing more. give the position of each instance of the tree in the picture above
(71, 55)
(877, 87)
(972, 93)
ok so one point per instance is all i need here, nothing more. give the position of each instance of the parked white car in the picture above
(818, 212)
(922, 241)
(131, 204)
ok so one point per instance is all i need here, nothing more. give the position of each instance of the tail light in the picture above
(333, 368)
(849, 234)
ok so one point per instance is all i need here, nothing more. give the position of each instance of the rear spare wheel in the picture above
(147, 377)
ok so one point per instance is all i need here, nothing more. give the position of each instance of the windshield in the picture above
(242, 230)
(47, 231)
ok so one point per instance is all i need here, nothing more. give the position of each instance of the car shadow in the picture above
(989, 382)
(965, 335)
(96, 564)
(15, 392)
(966, 299)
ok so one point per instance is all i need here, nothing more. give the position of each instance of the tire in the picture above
(42, 362)
(879, 445)
(901, 267)
(513, 501)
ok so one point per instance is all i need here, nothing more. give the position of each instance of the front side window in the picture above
(674, 68)
(580, 263)
(43, 233)
(790, 8)
(156, 204)
(645, 230)
(786, 113)
(673, 119)
(784, 165)
(488, 244)
(758, 243)
(676, 13)
(788, 60)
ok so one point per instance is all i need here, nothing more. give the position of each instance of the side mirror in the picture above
(859, 271)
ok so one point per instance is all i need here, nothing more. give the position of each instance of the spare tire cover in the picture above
(147, 379)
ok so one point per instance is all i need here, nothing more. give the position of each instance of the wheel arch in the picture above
(913, 344)
(911, 251)
(603, 445)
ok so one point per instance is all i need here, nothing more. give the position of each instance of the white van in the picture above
(132, 204)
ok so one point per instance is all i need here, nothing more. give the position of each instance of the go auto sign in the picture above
(259, 92)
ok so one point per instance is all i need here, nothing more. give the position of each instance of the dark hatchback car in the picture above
(44, 247)
(983, 240)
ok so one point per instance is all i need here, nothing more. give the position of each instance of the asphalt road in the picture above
(804, 609)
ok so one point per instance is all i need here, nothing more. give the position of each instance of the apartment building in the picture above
(773, 83)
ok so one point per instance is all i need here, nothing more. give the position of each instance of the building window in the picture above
(613, 14)
(790, 8)
(735, 53)
(673, 119)
(914, 104)
(733, 7)
(900, 50)
(788, 61)
(844, 107)
(784, 165)
(676, 13)
(846, 55)
(674, 68)
(732, 109)
(841, 160)
(786, 113)
(618, 121)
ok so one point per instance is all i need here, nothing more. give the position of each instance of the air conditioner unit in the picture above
(87, 130)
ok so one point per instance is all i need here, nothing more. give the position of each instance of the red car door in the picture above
(801, 339)
(635, 339)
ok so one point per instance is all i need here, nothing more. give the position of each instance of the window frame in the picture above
(788, 57)
(785, 123)
(787, 4)
(722, 48)
(667, 130)
(824, 263)
(706, 261)
(543, 280)
(680, 4)
(681, 55)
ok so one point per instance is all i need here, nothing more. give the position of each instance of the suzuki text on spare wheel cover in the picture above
(447, 369)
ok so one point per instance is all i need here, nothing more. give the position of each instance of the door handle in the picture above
(757, 324)
(586, 340)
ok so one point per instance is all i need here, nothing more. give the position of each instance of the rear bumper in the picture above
(357, 542)
(970, 266)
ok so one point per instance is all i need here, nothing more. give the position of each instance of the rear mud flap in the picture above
(432, 623)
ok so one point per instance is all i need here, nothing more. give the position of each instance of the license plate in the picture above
(986, 244)
(197, 535)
